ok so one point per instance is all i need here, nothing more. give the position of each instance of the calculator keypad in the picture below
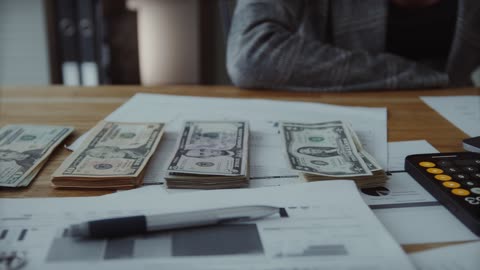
(451, 184)
(454, 180)
(462, 177)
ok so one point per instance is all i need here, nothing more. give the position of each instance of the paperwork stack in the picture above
(24, 149)
(210, 155)
(320, 225)
(328, 151)
(114, 155)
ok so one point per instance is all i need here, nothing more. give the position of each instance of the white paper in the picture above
(151, 191)
(454, 257)
(398, 151)
(462, 111)
(328, 225)
(412, 215)
(267, 160)
(406, 209)
(427, 224)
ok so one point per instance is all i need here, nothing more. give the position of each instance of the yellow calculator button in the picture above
(427, 164)
(443, 177)
(434, 170)
(460, 192)
(451, 184)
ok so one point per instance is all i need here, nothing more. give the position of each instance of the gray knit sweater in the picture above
(337, 45)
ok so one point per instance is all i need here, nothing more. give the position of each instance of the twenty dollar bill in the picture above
(24, 149)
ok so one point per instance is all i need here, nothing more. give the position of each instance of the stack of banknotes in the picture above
(24, 149)
(114, 155)
(210, 155)
(330, 150)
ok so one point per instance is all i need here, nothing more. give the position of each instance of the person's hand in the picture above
(414, 3)
(476, 77)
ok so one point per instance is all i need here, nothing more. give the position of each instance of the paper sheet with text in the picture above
(323, 224)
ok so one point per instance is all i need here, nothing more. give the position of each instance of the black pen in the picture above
(124, 226)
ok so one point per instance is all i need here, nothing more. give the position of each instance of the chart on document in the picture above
(265, 238)
(406, 208)
(222, 240)
(401, 190)
(314, 225)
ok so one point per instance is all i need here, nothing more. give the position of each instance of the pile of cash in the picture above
(24, 149)
(330, 150)
(210, 155)
(114, 155)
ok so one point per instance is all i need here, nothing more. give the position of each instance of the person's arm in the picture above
(265, 50)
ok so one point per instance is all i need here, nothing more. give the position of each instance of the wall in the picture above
(23, 43)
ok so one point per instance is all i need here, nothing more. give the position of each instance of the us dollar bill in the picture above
(372, 164)
(24, 150)
(323, 148)
(211, 148)
(112, 150)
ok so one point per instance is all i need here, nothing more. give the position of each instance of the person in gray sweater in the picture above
(347, 45)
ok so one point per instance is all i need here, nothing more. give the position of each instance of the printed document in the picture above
(398, 151)
(406, 209)
(320, 225)
(462, 111)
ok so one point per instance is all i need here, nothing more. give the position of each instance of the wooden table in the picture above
(408, 118)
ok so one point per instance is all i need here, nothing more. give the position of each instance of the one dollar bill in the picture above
(323, 148)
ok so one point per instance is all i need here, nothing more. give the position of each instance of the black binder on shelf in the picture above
(80, 41)
(67, 41)
(86, 41)
(101, 43)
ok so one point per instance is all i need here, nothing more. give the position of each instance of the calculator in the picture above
(454, 180)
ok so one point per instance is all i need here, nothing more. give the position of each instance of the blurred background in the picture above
(97, 42)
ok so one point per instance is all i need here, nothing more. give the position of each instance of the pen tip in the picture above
(79, 230)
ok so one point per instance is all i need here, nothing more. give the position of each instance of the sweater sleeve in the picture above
(266, 50)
